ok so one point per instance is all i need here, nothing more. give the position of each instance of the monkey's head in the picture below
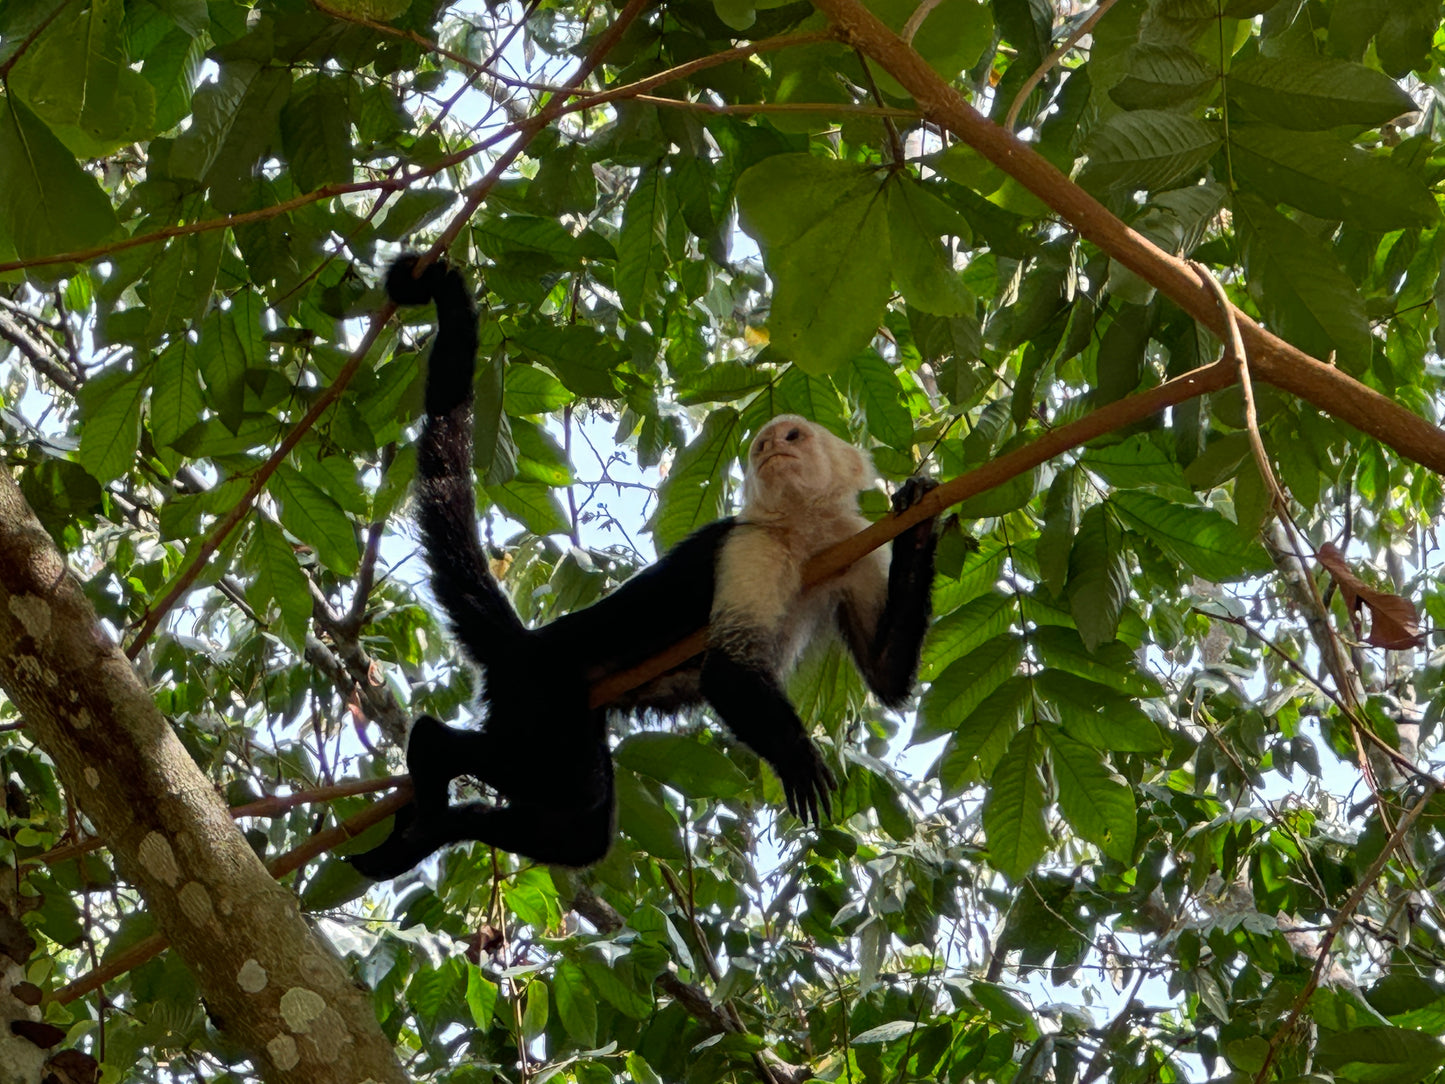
(792, 462)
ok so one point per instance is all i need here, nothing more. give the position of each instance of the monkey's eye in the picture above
(794, 434)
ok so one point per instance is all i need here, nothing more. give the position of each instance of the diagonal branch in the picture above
(994, 473)
(1271, 358)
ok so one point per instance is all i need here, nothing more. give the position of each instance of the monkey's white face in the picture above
(792, 462)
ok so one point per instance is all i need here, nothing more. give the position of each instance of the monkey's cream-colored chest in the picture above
(760, 587)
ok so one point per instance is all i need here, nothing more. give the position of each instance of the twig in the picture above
(326, 191)
(25, 45)
(887, 112)
(1050, 61)
(1234, 347)
(39, 357)
(272, 806)
(1351, 903)
(920, 13)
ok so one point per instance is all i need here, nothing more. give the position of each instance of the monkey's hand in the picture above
(905, 497)
(806, 782)
(911, 492)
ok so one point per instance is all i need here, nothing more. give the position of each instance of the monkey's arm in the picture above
(481, 615)
(744, 692)
(887, 652)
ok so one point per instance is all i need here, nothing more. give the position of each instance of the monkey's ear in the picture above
(855, 466)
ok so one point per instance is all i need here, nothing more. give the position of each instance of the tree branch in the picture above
(994, 473)
(1271, 358)
(278, 867)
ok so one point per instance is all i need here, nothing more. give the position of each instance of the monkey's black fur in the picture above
(542, 748)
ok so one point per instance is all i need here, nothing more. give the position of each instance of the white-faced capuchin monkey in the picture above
(542, 748)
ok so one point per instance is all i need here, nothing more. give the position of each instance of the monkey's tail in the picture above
(481, 615)
(454, 350)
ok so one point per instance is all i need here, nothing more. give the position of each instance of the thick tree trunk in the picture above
(268, 980)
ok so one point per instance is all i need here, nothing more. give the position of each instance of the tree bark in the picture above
(268, 980)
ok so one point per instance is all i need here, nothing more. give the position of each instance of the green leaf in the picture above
(176, 397)
(1013, 812)
(922, 267)
(963, 686)
(1161, 76)
(1300, 288)
(1148, 149)
(1380, 1055)
(316, 131)
(222, 360)
(494, 453)
(534, 1015)
(51, 205)
(1056, 537)
(581, 356)
(823, 226)
(980, 741)
(1315, 93)
(110, 409)
(952, 38)
(576, 1004)
(413, 209)
(277, 579)
(481, 997)
(1098, 577)
(234, 120)
(694, 492)
(645, 817)
(1110, 664)
(530, 390)
(642, 243)
(311, 514)
(78, 80)
(881, 396)
(693, 768)
(1328, 177)
(968, 627)
(1096, 802)
(1098, 715)
(533, 505)
(1200, 538)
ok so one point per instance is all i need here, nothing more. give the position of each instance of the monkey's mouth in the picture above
(774, 455)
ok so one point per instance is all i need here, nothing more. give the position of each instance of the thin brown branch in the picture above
(747, 109)
(1234, 348)
(293, 859)
(37, 354)
(994, 473)
(272, 806)
(702, 63)
(1271, 358)
(30, 39)
(326, 191)
(404, 34)
(1051, 61)
(1354, 900)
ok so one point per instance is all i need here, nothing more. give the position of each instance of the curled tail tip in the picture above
(405, 287)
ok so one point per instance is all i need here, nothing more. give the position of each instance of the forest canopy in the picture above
(1152, 287)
